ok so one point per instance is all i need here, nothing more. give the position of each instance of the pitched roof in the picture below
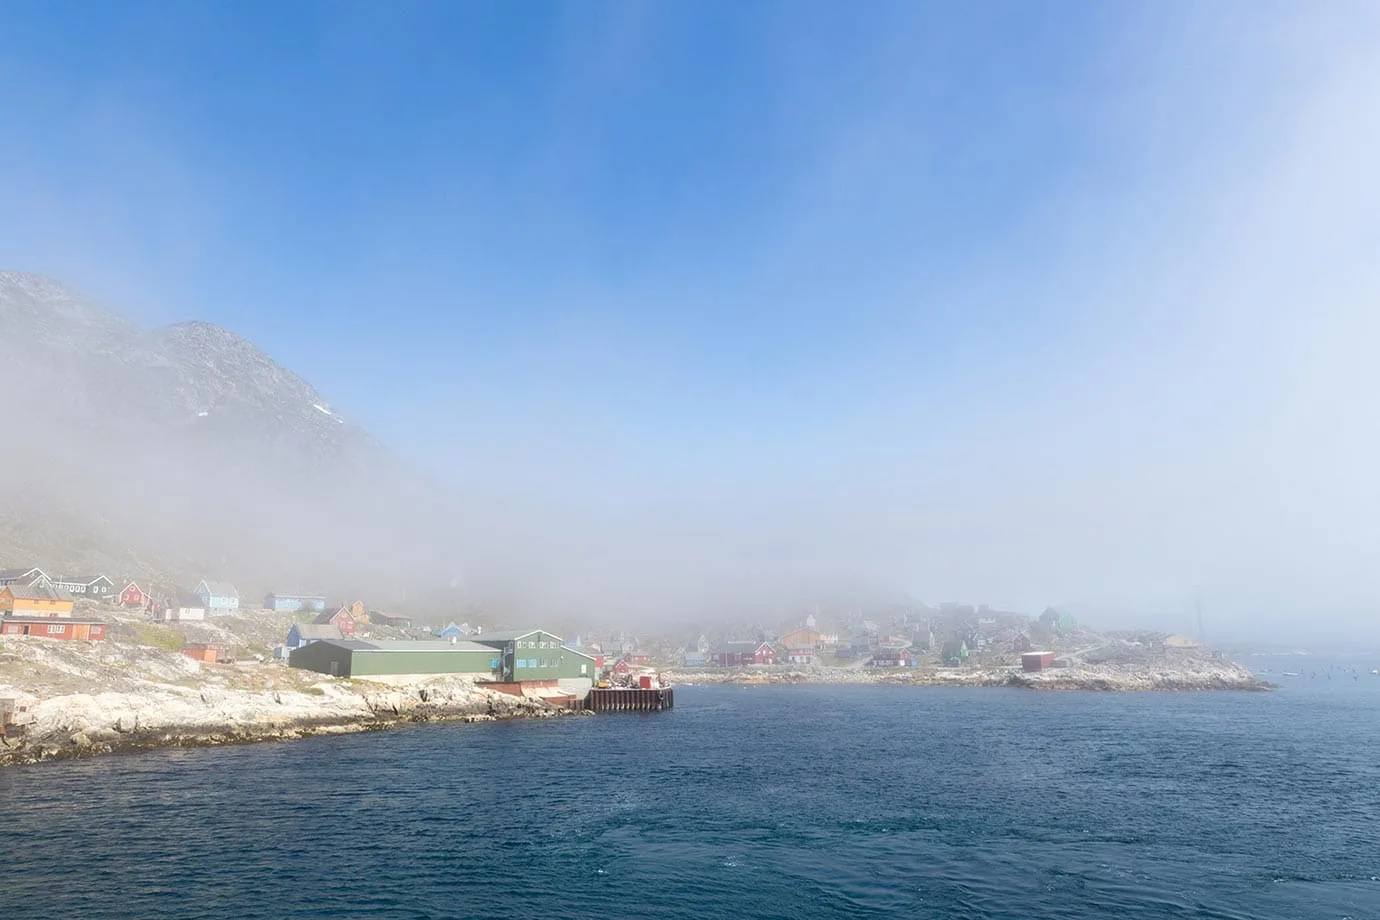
(326, 616)
(318, 631)
(508, 635)
(738, 647)
(12, 574)
(79, 579)
(38, 592)
(221, 588)
(80, 621)
(188, 601)
(406, 645)
(424, 645)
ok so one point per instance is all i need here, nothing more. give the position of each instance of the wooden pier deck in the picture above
(631, 700)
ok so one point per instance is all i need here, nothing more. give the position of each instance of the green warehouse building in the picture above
(379, 657)
(516, 656)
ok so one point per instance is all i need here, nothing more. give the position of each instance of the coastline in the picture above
(1190, 675)
(94, 699)
(82, 725)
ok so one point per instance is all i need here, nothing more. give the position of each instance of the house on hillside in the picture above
(341, 619)
(306, 633)
(131, 595)
(743, 653)
(800, 638)
(94, 586)
(454, 631)
(218, 595)
(954, 652)
(31, 575)
(52, 627)
(180, 607)
(893, 656)
(287, 603)
(387, 619)
(205, 653)
(34, 601)
(1057, 621)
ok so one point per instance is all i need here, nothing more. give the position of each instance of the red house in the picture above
(622, 668)
(1037, 661)
(741, 654)
(893, 656)
(641, 658)
(342, 619)
(133, 596)
(53, 627)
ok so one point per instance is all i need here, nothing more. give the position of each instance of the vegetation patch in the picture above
(157, 636)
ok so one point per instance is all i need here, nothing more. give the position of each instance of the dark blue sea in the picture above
(764, 802)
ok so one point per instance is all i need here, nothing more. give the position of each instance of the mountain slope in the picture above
(186, 451)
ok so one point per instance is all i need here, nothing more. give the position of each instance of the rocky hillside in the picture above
(85, 698)
(185, 452)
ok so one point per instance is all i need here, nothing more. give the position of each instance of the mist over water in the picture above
(1108, 344)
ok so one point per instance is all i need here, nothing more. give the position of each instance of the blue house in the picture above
(218, 595)
(314, 603)
(306, 633)
(455, 632)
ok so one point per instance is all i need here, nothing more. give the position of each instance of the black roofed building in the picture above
(84, 585)
(24, 577)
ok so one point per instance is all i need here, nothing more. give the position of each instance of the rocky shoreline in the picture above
(162, 716)
(1189, 675)
(86, 699)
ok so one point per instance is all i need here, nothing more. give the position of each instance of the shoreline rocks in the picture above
(162, 716)
(1180, 676)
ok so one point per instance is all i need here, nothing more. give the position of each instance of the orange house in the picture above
(53, 627)
(207, 654)
(34, 601)
(804, 637)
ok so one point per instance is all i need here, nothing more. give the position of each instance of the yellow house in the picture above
(34, 601)
(357, 611)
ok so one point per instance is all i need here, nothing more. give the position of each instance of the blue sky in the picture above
(770, 259)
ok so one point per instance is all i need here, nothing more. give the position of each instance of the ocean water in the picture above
(744, 802)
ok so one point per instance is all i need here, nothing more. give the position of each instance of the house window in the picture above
(56, 629)
(582, 670)
(522, 662)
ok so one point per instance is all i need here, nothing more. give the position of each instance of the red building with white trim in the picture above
(53, 627)
(133, 596)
